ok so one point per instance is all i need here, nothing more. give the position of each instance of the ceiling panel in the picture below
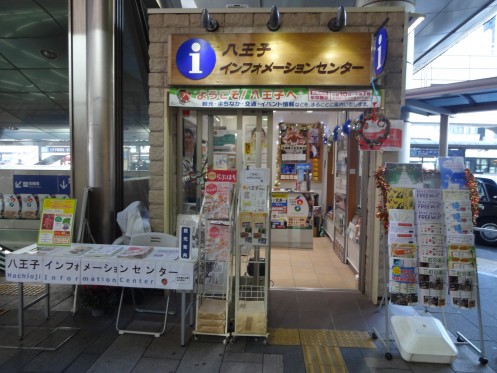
(13, 81)
(25, 18)
(49, 80)
(33, 108)
(25, 53)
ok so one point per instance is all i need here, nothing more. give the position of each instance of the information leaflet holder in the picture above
(214, 280)
(252, 254)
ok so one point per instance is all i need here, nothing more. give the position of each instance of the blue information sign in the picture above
(195, 59)
(380, 51)
(186, 242)
(42, 184)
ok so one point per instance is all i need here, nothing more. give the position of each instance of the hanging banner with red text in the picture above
(284, 98)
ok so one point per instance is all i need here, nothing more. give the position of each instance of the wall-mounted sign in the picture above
(340, 59)
(380, 51)
(274, 98)
(42, 184)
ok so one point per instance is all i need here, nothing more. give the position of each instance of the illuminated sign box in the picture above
(312, 59)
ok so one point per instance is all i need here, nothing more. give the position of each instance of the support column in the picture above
(443, 149)
(92, 100)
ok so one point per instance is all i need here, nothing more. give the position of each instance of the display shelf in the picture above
(215, 274)
(252, 256)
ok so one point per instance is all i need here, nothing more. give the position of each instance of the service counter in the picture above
(292, 219)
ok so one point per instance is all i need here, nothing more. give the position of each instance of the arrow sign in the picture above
(42, 184)
(64, 185)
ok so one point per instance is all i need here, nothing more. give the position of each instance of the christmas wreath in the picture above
(364, 121)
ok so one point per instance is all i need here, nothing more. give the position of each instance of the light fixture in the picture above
(49, 54)
(273, 24)
(414, 20)
(207, 22)
(335, 24)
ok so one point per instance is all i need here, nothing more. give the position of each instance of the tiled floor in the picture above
(317, 268)
(97, 346)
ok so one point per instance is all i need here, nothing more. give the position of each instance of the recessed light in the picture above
(49, 54)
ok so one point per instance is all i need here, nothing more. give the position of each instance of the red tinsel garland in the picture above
(472, 186)
(382, 184)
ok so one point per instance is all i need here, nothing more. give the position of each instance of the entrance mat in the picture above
(36, 338)
(323, 359)
(11, 289)
(318, 337)
(354, 338)
(285, 337)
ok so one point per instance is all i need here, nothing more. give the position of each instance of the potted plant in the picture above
(98, 298)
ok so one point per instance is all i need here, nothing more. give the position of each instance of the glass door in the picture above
(222, 141)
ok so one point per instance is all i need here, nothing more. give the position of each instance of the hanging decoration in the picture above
(346, 127)
(365, 122)
(384, 187)
(472, 186)
(371, 128)
(335, 133)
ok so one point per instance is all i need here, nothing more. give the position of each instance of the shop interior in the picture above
(321, 250)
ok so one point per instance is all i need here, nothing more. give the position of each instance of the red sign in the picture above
(222, 175)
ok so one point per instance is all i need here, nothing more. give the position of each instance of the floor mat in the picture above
(11, 289)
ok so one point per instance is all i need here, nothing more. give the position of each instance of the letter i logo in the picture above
(195, 59)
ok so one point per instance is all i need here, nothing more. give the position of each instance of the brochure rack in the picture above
(252, 255)
(214, 295)
(429, 256)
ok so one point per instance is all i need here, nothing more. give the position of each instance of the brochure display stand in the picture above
(215, 260)
(430, 258)
(252, 254)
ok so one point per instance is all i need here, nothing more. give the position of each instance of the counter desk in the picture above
(292, 219)
(107, 265)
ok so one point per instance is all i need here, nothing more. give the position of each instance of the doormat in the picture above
(11, 289)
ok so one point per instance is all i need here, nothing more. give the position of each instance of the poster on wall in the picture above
(250, 143)
(300, 143)
(293, 143)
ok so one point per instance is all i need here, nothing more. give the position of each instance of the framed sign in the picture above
(303, 59)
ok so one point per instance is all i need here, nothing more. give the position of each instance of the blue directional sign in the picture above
(42, 184)
(380, 51)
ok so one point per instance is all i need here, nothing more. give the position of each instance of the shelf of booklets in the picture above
(252, 261)
(215, 278)
(443, 249)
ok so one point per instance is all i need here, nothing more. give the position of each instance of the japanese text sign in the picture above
(270, 59)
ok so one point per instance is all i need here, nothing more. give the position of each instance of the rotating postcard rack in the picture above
(214, 278)
(430, 256)
(252, 255)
